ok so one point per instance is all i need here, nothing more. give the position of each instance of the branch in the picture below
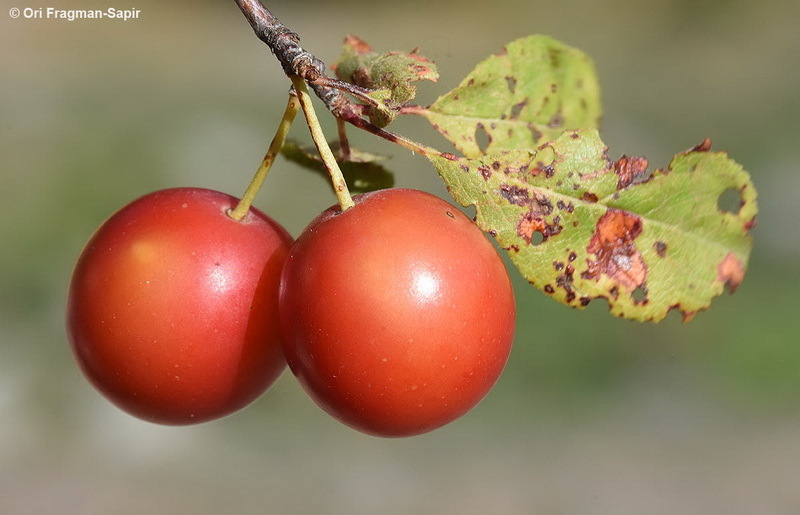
(297, 62)
(283, 42)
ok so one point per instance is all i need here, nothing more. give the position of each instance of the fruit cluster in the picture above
(396, 315)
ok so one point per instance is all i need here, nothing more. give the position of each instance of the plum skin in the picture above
(172, 308)
(398, 313)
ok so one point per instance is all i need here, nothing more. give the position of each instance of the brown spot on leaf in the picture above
(616, 255)
(565, 282)
(569, 208)
(661, 248)
(589, 197)
(730, 271)
(515, 194)
(532, 227)
(542, 168)
(629, 170)
(548, 288)
(544, 206)
(529, 225)
(485, 172)
(449, 156)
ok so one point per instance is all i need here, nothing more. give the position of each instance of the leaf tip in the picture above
(703, 146)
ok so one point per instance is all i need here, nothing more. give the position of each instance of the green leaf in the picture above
(362, 171)
(529, 94)
(581, 227)
(390, 75)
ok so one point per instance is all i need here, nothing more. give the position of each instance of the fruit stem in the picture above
(344, 143)
(275, 146)
(339, 184)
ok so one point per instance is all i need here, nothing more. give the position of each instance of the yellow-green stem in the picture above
(339, 184)
(250, 193)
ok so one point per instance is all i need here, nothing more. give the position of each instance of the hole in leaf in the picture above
(511, 82)
(482, 138)
(599, 305)
(730, 201)
(537, 237)
(639, 295)
(516, 110)
(674, 315)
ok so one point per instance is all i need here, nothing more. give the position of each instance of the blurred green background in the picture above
(593, 414)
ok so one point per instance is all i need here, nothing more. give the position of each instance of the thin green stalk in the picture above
(241, 209)
(339, 184)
